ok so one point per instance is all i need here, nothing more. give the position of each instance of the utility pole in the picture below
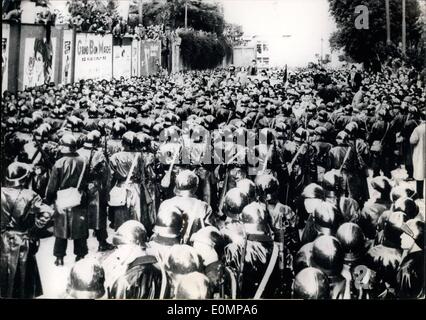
(140, 9)
(186, 14)
(388, 35)
(404, 44)
(322, 41)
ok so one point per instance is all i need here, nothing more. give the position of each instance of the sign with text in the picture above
(150, 57)
(67, 57)
(93, 57)
(135, 58)
(122, 61)
(5, 39)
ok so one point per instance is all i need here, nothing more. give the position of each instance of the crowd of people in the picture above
(213, 187)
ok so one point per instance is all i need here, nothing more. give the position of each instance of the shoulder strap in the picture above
(345, 158)
(268, 272)
(387, 128)
(81, 175)
(132, 168)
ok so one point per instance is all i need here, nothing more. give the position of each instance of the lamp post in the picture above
(404, 31)
(186, 15)
(140, 11)
(388, 35)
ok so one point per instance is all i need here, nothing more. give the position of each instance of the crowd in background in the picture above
(161, 166)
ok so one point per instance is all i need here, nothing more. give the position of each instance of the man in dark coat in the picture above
(70, 223)
(96, 192)
(22, 214)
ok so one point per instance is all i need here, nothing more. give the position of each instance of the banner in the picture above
(93, 57)
(150, 57)
(66, 57)
(5, 39)
(135, 58)
(39, 58)
(122, 61)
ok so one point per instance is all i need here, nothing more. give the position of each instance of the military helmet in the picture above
(352, 240)
(92, 112)
(182, 259)
(381, 184)
(311, 283)
(234, 202)
(313, 191)
(342, 138)
(169, 221)
(320, 131)
(128, 139)
(267, 185)
(186, 180)
(143, 140)
(86, 280)
(211, 237)
(408, 206)
(301, 135)
(130, 232)
(333, 181)
(303, 258)
(402, 192)
(37, 117)
(326, 218)
(11, 123)
(93, 138)
(194, 285)
(118, 129)
(254, 218)
(247, 187)
(17, 174)
(68, 142)
(27, 124)
(327, 255)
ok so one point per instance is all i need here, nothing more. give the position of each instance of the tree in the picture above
(201, 15)
(368, 46)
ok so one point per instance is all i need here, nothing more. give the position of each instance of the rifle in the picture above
(225, 183)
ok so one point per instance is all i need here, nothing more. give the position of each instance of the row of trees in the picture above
(369, 46)
(204, 44)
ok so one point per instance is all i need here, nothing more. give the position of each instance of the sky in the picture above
(307, 21)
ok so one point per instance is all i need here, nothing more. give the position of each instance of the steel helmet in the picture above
(326, 218)
(169, 221)
(130, 232)
(186, 180)
(86, 280)
(352, 240)
(327, 255)
(303, 258)
(247, 187)
(311, 283)
(234, 202)
(267, 185)
(182, 259)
